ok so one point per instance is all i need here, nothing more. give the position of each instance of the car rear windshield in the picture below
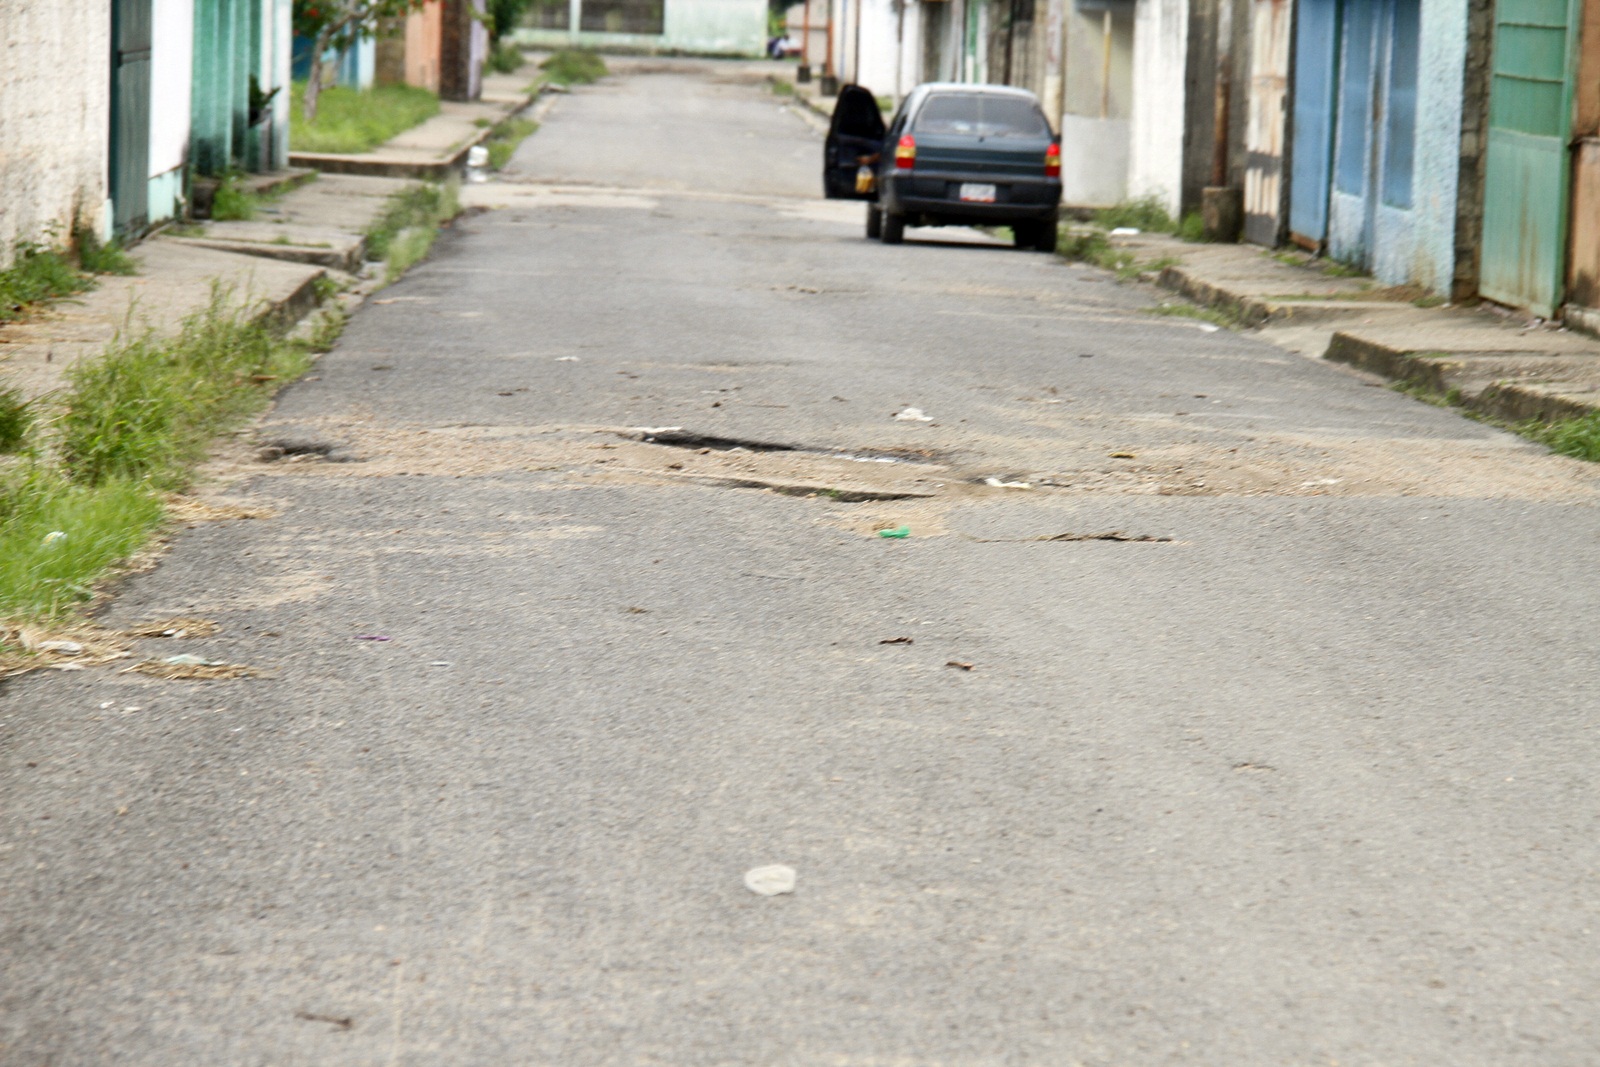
(981, 115)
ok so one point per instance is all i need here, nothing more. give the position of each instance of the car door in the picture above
(856, 131)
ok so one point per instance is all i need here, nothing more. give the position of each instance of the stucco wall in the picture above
(881, 44)
(54, 132)
(1094, 148)
(1440, 84)
(1155, 142)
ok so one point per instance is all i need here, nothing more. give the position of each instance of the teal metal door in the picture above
(1526, 171)
(130, 115)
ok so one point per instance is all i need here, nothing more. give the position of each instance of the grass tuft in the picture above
(1192, 228)
(351, 121)
(404, 232)
(1146, 214)
(574, 66)
(16, 419)
(57, 537)
(147, 408)
(506, 58)
(504, 139)
(98, 258)
(1577, 437)
(233, 202)
(37, 274)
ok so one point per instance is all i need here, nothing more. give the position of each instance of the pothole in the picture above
(676, 438)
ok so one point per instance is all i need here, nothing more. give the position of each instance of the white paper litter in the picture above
(912, 415)
(770, 881)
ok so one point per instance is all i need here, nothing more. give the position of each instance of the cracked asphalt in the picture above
(1306, 778)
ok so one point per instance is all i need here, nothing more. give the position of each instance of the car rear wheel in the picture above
(1045, 239)
(894, 228)
(1024, 234)
(874, 222)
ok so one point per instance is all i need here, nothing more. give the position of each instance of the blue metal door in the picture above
(1316, 39)
(1370, 223)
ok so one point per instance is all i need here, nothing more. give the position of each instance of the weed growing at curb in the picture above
(148, 407)
(505, 137)
(402, 235)
(1217, 316)
(1577, 437)
(574, 66)
(782, 87)
(57, 536)
(86, 491)
(1192, 229)
(506, 58)
(16, 419)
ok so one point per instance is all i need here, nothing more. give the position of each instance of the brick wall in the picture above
(55, 116)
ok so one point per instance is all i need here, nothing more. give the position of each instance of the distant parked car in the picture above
(953, 155)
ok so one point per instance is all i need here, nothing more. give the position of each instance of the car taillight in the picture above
(1052, 161)
(905, 153)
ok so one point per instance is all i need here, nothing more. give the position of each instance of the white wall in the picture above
(171, 80)
(1155, 136)
(55, 119)
(889, 60)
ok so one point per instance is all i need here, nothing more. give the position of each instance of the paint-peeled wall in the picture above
(889, 57)
(1431, 260)
(1097, 100)
(1156, 120)
(56, 90)
(171, 77)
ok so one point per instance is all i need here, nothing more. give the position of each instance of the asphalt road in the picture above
(1305, 779)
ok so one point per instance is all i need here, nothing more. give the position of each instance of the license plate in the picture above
(977, 194)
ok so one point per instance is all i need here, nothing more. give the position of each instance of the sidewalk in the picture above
(275, 261)
(1491, 361)
(1484, 358)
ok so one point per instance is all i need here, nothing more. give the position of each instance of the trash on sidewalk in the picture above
(188, 659)
(179, 626)
(65, 648)
(206, 670)
(1125, 231)
(912, 415)
(477, 161)
(567, 359)
(998, 484)
(373, 637)
(771, 880)
(1121, 455)
(895, 641)
(898, 532)
(55, 537)
(1208, 327)
(958, 665)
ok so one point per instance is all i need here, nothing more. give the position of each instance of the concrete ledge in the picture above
(1250, 310)
(1512, 385)
(348, 257)
(283, 312)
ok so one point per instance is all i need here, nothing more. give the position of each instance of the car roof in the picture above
(927, 88)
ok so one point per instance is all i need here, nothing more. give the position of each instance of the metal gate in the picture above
(1369, 213)
(1525, 173)
(130, 115)
(1270, 22)
(1316, 50)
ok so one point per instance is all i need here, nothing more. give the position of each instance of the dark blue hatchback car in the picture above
(953, 155)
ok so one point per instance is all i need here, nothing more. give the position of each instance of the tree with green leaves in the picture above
(340, 24)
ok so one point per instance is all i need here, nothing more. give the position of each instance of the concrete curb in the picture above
(1482, 381)
(348, 258)
(283, 315)
(1249, 310)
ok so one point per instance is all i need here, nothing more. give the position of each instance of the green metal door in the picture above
(1526, 171)
(130, 115)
